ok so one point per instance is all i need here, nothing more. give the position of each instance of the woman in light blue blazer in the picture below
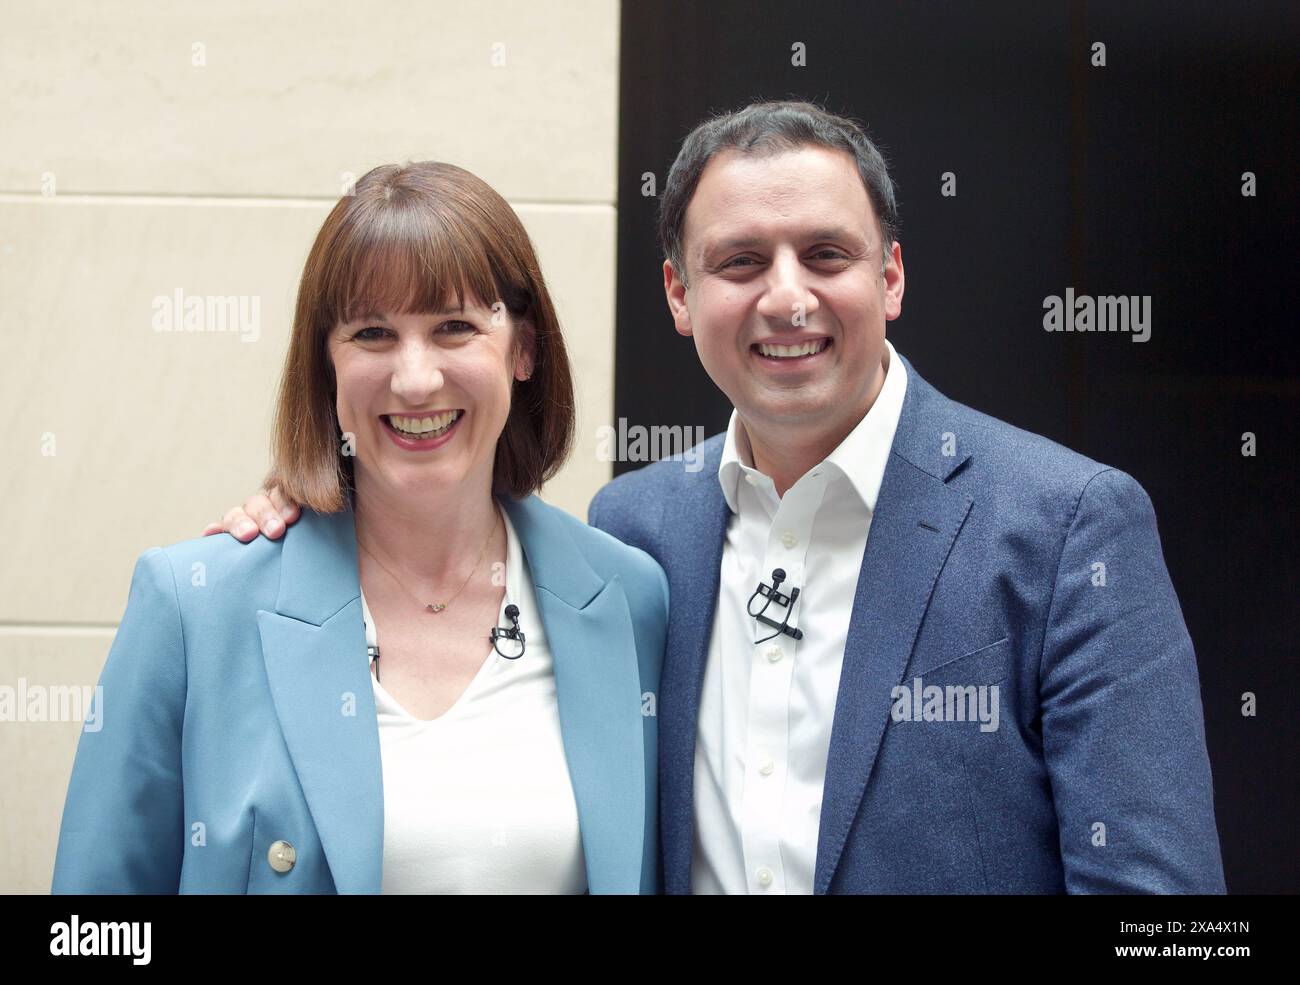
(434, 682)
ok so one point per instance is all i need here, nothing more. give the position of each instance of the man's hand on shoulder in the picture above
(267, 512)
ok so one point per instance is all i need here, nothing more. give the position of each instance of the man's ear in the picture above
(894, 282)
(675, 292)
(525, 350)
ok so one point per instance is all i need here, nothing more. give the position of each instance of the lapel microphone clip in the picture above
(514, 634)
(772, 594)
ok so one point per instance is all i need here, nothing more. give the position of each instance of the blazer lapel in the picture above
(314, 648)
(598, 690)
(693, 561)
(916, 522)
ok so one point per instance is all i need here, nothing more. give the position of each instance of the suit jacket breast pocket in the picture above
(951, 697)
(951, 714)
(957, 701)
(985, 665)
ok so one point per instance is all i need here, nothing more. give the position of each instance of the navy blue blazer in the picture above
(979, 570)
(237, 712)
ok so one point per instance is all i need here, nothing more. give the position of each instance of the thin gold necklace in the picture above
(436, 607)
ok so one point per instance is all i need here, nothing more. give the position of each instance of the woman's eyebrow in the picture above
(373, 315)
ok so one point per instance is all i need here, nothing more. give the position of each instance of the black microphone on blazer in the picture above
(773, 594)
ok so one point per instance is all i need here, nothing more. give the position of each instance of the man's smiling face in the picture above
(787, 301)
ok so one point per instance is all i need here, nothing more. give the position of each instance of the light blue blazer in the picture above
(237, 711)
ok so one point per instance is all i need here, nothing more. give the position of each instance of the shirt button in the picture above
(774, 654)
(767, 767)
(764, 876)
(281, 856)
(789, 539)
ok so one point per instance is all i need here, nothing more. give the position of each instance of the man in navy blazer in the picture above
(989, 571)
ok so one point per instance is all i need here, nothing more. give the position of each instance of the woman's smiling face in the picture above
(426, 396)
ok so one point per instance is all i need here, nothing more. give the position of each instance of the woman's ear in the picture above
(525, 350)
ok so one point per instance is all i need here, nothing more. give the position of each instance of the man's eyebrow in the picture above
(732, 243)
(837, 234)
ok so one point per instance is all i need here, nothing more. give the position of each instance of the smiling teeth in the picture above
(423, 427)
(790, 351)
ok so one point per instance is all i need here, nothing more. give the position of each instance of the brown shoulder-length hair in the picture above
(411, 236)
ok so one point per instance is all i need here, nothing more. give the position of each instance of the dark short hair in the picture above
(407, 238)
(769, 128)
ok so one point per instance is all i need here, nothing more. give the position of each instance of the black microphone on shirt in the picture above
(773, 594)
(512, 633)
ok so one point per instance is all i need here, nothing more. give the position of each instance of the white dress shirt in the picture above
(766, 709)
(479, 800)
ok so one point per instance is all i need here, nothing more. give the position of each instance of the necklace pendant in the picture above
(436, 606)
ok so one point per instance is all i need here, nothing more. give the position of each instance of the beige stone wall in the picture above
(155, 147)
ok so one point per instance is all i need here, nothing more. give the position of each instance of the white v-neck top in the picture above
(479, 800)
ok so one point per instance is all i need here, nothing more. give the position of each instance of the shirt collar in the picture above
(861, 457)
